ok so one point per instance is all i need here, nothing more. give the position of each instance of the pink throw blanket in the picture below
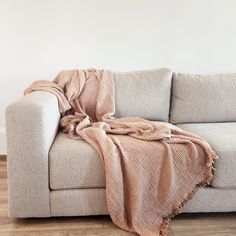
(152, 168)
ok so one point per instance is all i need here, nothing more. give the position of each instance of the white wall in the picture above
(38, 38)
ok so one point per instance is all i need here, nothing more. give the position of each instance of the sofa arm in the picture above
(31, 126)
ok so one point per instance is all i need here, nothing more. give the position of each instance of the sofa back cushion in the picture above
(144, 94)
(203, 98)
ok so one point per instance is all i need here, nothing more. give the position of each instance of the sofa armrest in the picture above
(31, 126)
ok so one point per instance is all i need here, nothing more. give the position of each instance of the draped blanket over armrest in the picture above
(152, 168)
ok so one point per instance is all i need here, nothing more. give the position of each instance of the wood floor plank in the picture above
(88, 232)
(3, 214)
(3, 158)
(3, 174)
(213, 224)
(220, 224)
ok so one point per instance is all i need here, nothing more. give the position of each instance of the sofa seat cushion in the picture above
(75, 164)
(222, 138)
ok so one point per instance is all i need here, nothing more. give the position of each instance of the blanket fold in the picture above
(152, 168)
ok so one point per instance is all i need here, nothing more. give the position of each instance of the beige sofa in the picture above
(51, 175)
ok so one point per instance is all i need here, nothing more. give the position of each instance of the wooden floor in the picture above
(182, 225)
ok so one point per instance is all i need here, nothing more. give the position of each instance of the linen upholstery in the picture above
(76, 202)
(144, 94)
(222, 138)
(212, 200)
(31, 125)
(203, 98)
(79, 166)
(80, 202)
(75, 164)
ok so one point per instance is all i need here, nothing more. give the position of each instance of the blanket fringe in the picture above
(163, 229)
(166, 220)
